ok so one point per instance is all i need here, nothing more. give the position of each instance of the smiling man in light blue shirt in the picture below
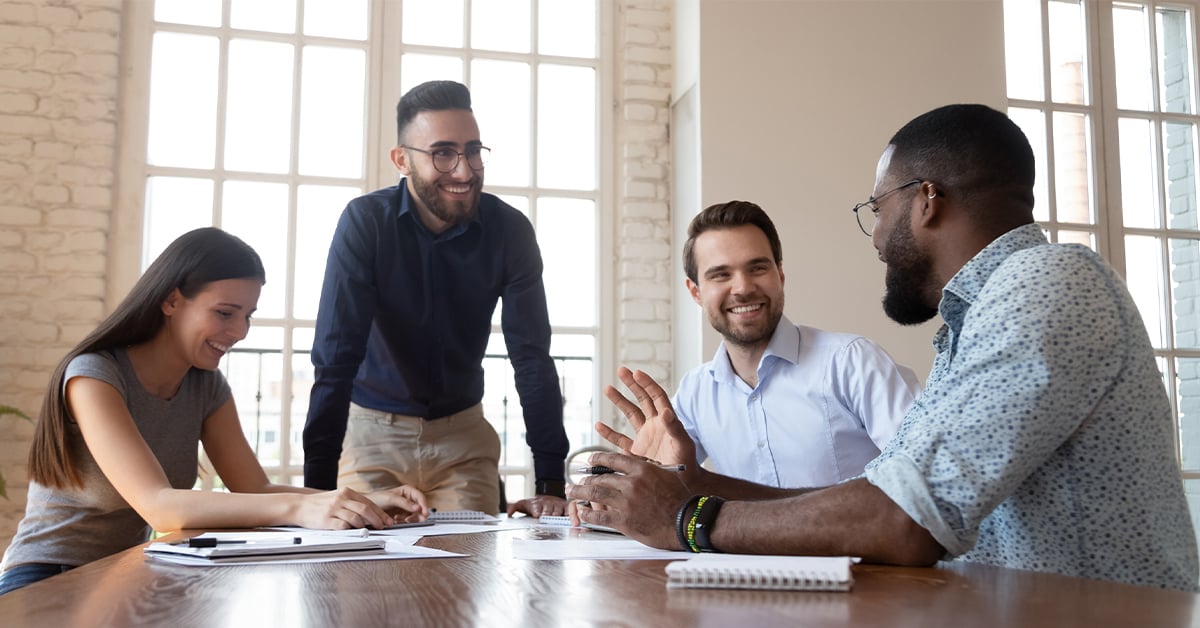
(780, 404)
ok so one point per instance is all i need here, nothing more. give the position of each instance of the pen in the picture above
(600, 469)
(208, 541)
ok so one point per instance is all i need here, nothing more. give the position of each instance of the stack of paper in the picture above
(242, 547)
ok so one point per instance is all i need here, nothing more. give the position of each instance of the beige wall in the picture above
(797, 100)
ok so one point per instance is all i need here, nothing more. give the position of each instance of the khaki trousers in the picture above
(454, 460)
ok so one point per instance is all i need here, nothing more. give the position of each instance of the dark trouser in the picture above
(29, 573)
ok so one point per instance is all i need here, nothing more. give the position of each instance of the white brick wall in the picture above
(643, 229)
(58, 102)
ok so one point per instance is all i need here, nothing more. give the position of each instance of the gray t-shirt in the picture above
(74, 526)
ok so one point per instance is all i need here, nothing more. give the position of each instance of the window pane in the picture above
(1175, 70)
(576, 372)
(183, 101)
(1143, 273)
(432, 22)
(1132, 50)
(567, 28)
(566, 133)
(318, 208)
(416, 69)
(302, 381)
(1180, 159)
(566, 231)
(1085, 238)
(502, 405)
(1068, 54)
(1072, 168)
(258, 213)
(1023, 49)
(274, 16)
(302, 341)
(345, 19)
(1033, 123)
(1185, 292)
(258, 121)
(518, 202)
(500, 25)
(197, 12)
(332, 92)
(500, 99)
(255, 380)
(174, 206)
(1187, 378)
(1137, 173)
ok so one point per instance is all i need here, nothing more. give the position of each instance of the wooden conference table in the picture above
(491, 588)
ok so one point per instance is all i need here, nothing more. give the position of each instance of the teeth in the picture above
(221, 348)
(458, 189)
(742, 309)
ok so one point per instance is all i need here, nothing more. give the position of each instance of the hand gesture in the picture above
(659, 435)
(405, 503)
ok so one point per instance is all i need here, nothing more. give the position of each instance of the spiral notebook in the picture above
(780, 573)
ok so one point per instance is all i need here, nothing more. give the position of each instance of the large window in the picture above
(264, 117)
(1106, 92)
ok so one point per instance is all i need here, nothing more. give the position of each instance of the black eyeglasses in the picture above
(867, 222)
(445, 160)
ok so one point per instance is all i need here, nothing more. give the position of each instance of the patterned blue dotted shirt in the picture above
(1043, 439)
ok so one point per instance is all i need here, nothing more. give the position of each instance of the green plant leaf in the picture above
(11, 411)
(14, 412)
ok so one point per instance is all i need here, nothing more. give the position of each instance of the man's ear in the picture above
(932, 204)
(693, 290)
(171, 303)
(399, 159)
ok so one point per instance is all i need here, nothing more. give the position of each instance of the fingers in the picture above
(514, 508)
(621, 441)
(657, 398)
(627, 407)
(351, 509)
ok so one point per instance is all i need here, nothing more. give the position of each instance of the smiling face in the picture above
(740, 286)
(204, 327)
(443, 199)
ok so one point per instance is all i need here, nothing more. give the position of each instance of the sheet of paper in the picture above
(591, 546)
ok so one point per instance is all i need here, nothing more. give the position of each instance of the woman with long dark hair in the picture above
(114, 453)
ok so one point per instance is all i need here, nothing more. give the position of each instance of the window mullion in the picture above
(1109, 237)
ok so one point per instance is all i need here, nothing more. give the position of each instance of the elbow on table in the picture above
(916, 547)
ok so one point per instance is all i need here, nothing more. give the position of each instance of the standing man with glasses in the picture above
(413, 277)
(1043, 439)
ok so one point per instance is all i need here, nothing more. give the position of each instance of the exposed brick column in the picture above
(58, 109)
(644, 71)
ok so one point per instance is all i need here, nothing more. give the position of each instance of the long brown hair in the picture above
(194, 260)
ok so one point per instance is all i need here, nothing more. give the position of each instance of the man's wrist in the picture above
(553, 488)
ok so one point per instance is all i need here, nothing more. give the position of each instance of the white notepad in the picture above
(460, 516)
(743, 571)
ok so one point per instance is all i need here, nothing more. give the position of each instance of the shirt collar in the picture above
(784, 345)
(964, 287)
(407, 207)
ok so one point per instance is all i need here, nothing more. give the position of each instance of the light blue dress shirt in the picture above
(1043, 439)
(824, 406)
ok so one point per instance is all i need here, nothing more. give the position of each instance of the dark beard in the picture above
(455, 213)
(907, 278)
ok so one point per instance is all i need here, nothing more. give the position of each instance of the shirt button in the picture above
(753, 397)
(762, 443)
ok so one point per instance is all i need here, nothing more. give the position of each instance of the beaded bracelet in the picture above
(705, 523)
(691, 527)
(680, 518)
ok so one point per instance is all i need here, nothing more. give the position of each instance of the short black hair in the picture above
(430, 96)
(972, 150)
(727, 216)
